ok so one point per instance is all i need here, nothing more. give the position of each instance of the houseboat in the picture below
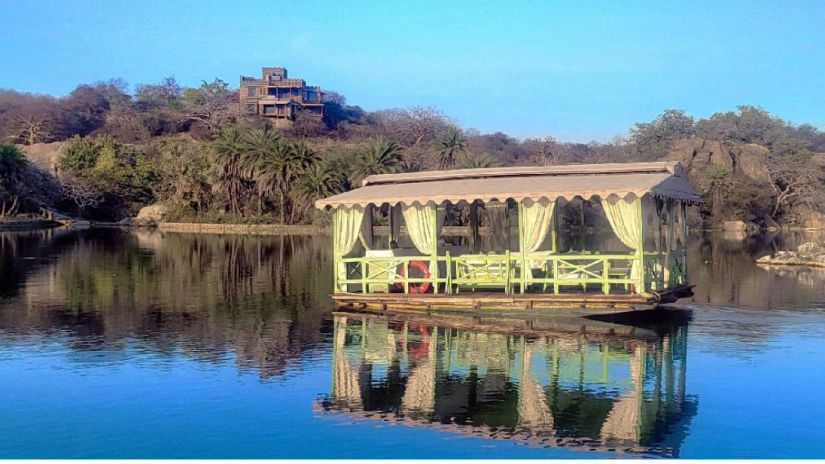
(498, 238)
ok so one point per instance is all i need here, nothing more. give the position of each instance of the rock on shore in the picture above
(807, 254)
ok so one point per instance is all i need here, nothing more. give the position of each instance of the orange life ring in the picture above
(424, 271)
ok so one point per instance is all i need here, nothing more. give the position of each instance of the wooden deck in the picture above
(484, 301)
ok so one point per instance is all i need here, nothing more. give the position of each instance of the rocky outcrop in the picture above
(740, 226)
(697, 155)
(151, 215)
(807, 254)
(44, 155)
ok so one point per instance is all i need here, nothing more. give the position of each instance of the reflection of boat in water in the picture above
(602, 386)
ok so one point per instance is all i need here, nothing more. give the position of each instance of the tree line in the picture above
(193, 151)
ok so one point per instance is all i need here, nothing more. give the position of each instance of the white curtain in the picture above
(365, 234)
(346, 223)
(623, 216)
(538, 216)
(419, 220)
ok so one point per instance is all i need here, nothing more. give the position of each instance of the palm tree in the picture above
(259, 145)
(12, 165)
(228, 156)
(449, 146)
(378, 156)
(317, 181)
(303, 157)
(483, 160)
(272, 173)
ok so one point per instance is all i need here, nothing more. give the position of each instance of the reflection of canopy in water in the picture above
(589, 388)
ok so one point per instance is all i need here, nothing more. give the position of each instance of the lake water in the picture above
(141, 344)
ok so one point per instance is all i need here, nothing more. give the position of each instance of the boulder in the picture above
(44, 155)
(807, 254)
(697, 155)
(149, 215)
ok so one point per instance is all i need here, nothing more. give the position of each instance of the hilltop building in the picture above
(278, 97)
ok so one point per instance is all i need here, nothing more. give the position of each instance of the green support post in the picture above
(522, 254)
(434, 257)
(670, 238)
(335, 259)
(508, 282)
(683, 225)
(605, 276)
(364, 276)
(448, 286)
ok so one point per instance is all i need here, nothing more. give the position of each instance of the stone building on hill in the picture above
(276, 96)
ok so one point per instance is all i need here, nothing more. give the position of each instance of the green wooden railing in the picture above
(513, 273)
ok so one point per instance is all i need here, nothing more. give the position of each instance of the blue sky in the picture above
(575, 70)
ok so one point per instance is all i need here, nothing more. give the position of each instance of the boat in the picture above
(394, 246)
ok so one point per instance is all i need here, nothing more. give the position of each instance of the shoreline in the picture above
(240, 229)
(25, 225)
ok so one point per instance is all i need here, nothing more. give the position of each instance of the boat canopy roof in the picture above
(661, 179)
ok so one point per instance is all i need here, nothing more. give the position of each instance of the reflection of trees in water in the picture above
(264, 297)
(16, 250)
(561, 389)
(725, 273)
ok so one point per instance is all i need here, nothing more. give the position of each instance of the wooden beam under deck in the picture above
(477, 301)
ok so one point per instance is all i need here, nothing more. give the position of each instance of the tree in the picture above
(652, 139)
(449, 147)
(84, 110)
(124, 175)
(316, 182)
(12, 165)
(749, 124)
(25, 117)
(228, 152)
(303, 157)
(484, 160)
(543, 152)
(34, 128)
(184, 177)
(794, 178)
(83, 193)
(126, 122)
(260, 145)
(413, 126)
(336, 111)
(307, 124)
(212, 104)
(166, 93)
(377, 156)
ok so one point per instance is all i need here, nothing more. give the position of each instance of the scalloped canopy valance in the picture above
(660, 179)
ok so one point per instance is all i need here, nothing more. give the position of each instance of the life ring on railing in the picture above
(423, 272)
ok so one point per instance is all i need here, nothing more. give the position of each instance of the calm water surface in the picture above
(119, 344)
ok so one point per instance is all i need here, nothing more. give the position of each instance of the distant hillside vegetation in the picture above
(104, 153)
